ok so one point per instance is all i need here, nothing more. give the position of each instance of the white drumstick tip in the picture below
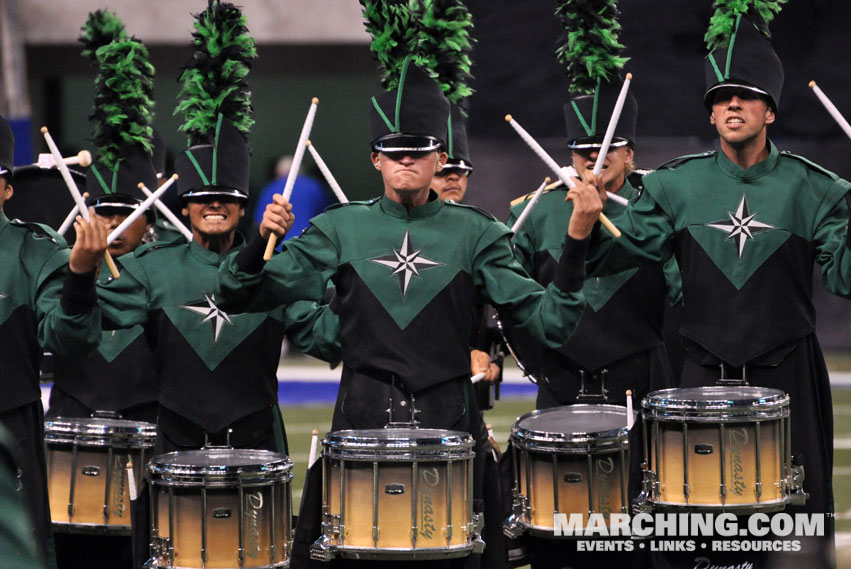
(508, 118)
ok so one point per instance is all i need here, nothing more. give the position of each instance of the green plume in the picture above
(445, 43)
(100, 28)
(123, 100)
(723, 21)
(589, 47)
(214, 79)
(394, 29)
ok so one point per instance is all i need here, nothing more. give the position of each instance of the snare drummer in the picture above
(408, 269)
(43, 305)
(747, 225)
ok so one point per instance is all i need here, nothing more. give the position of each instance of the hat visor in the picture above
(707, 97)
(406, 143)
(596, 143)
(121, 201)
(7, 172)
(460, 165)
(207, 191)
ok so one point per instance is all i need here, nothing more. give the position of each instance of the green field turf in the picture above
(301, 420)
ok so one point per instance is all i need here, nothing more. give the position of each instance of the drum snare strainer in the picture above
(718, 449)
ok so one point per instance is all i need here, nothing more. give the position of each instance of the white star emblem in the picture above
(212, 313)
(406, 264)
(741, 226)
(2, 296)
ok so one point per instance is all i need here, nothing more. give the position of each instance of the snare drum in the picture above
(221, 508)
(568, 460)
(398, 493)
(718, 448)
(87, 479)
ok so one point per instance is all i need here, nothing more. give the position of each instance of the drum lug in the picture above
(160, 550)
(649, 485)
(322, 549)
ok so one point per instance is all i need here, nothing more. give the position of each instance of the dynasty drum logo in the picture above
(118, 484)
(603, 471)
(429, 480)
(737, 446)
(253, 513)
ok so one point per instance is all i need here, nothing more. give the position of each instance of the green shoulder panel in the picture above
(811, 165)
(39, 231)
(155, 245)
(479, 210)
(338, 205)
(671, 164)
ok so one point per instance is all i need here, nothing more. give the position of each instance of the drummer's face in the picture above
(214, 215)
(614, 166)
(408, 171)
(5, 191)
(131, 237)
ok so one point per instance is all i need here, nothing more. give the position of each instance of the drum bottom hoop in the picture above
(154, 564)
(756, 507)
(401, 554)
(92, 529)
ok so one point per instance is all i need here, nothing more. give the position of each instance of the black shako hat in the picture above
(412, 117)
(119, 186)
(748, 62)
(457, 147)
(587, 117)
(220, 168)
(7, 148)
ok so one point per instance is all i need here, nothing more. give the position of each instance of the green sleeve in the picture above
(17, 544)
(299, 272)
(314, 329)
(549, 315)
(832, 240)
(59, 330)
(646, 235)
(125, 301)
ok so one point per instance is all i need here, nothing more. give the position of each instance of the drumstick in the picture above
(492, 439)
(559, 171)
(629, 418)
(131, 481)
(291, 176)
(478, 377)
(169, 215)
(75, 193)
(83, 158)
(140, 209)
(528, 209)
(610, 130)
(831, 108)
(329, 177)
(614, 197)
(314, 442)
(69, 220)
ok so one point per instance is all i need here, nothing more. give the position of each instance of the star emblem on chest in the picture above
(211, 313)
(406, 262)
(741, 225)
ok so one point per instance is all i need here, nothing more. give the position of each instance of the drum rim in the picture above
(526, 438)
(174, 473)
(434, 444)
(660, 402)
(90, 431)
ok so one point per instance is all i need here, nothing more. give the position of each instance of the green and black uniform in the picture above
(37, 313)
(618, 344)
(119, 376)
(406, 284)
(746, 242)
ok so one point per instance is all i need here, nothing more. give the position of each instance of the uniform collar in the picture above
(211, 257)
(759, 169)
(431, 207)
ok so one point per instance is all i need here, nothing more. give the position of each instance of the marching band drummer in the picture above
(747, 224)
(618, 344)
(407, 269)
(216, 370)
(43, 305)
(85, 383)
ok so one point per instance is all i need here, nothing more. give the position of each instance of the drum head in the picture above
(572, 428)
(717, 401)
(398, 444)
(100, 432)
(214, 467)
